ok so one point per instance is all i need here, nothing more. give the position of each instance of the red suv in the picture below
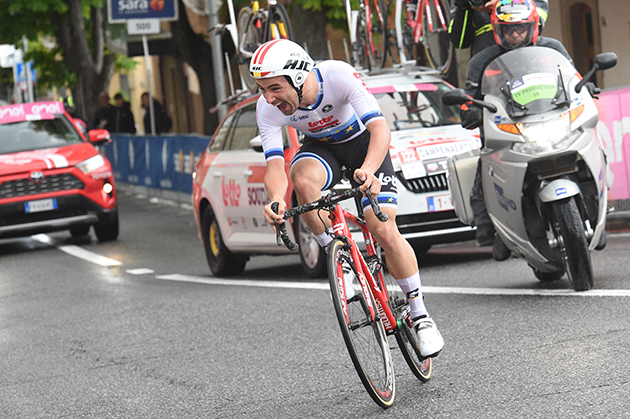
(51, 176)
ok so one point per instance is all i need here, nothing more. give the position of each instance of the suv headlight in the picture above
(546, 137)
(91, 164)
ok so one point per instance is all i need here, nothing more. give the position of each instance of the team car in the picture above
(52, 177)
(229, 194)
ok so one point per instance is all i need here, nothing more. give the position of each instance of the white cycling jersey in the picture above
(344, 107)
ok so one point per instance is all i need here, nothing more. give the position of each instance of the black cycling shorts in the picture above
(350, 155)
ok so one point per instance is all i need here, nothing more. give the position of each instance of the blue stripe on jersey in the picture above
(274, 152)
(329, 173)
(320, 94)
(340, 133)
(370, 115)
(384, 199)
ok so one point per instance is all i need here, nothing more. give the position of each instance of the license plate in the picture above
(440, 203)
(41, 205)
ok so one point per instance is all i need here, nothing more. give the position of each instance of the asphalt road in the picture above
(138, 328)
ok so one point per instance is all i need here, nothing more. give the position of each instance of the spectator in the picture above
(105, 116)
(124, 117)
(163, 122)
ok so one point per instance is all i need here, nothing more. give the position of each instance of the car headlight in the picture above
(91, 164)
(545, 137)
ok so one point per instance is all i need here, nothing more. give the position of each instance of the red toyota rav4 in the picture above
(51, 177)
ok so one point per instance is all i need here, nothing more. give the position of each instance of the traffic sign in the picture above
(143, 26)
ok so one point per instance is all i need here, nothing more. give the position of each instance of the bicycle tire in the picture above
(250, 39)
(361, 59)
(422, 368)
(378, 35)
(365, 338)
(278, 24)
(438, 48)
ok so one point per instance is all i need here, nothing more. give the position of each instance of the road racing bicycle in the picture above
(369, 304)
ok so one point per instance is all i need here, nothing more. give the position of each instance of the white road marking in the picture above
(425, 289)
(86, 255)
(140, 271)
(78, 252)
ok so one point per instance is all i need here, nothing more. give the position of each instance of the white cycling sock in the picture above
(413, 290)
(323, 239)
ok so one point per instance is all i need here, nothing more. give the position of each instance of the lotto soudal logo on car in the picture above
(327, 108)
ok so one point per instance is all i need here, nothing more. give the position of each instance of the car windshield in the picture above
(33, 135)
(415, 105)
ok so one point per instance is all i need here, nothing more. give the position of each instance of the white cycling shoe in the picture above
(429, 338)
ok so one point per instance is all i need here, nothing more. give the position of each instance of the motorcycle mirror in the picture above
(602, 61)
(605, 60)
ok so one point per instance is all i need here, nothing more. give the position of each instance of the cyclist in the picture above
(515, 24)
(343, 126)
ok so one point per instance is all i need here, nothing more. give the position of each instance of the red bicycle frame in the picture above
(340, 219)
(416, 21)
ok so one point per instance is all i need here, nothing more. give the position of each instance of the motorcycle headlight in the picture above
(91, 164)
(548, 136)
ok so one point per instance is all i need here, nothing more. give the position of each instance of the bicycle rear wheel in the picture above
(437, 45)
(250, 38)
(365, 337)
(420, 367)
(279, 24)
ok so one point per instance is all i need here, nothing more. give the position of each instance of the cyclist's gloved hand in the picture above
(271, 216)
(592, 89)
(471, 115)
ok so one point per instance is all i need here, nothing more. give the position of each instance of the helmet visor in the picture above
(515, 35)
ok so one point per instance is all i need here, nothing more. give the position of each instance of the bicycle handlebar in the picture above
(325, 202)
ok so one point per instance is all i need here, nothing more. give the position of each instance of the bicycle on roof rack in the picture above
(415, 32)
(254, 27)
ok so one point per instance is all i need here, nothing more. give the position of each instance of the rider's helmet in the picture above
(281, 57)
(515, 15)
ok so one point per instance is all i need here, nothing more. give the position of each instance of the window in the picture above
(221, 135)
(245, 128)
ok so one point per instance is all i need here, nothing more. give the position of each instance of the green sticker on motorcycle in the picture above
(534, 87)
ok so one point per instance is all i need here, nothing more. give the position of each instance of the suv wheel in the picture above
(107, 229)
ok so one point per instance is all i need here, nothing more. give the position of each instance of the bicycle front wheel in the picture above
(437, 45)
(250, 38)
(364, 336)
(420, 367)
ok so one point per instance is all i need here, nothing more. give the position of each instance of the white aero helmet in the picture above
(281, 57)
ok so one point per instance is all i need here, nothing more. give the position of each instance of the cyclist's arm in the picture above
(276, 185)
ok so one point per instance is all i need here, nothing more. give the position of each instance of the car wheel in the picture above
(221, 261)
(107, 229)
(80, 231)
(312, 256)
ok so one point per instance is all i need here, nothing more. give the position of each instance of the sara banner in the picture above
(614, 129)
(121, 11)
(163, 162)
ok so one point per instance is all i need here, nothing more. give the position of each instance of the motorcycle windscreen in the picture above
(530, 80)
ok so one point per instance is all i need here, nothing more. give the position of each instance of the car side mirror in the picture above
(99, 136)
(256, 144)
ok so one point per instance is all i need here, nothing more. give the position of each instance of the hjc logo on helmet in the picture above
(296, 65)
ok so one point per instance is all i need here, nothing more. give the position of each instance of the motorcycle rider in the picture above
(471, 25)
(343, 125)
(515, 24)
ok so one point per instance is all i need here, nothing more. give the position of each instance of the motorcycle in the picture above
(543, 168)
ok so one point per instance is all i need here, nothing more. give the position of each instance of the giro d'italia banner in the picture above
(162, 162)
(121, 11)
(614, 130)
